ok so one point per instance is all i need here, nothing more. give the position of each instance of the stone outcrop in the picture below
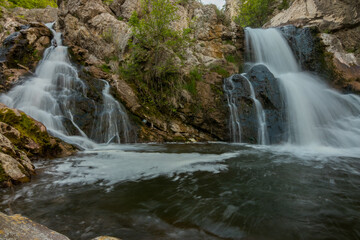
(18, 227)
(327, 15)
(23, 43)
(267, 92)
(98, 34)
(339, 24)
(21, 139)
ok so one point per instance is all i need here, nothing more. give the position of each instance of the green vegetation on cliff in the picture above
(255, 13)
(157, 50)
(28, 3)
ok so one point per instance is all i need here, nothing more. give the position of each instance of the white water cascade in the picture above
(263, 138)
(50, 97)
(317, 115)
(235, 127)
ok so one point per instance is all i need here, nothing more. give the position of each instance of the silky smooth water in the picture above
(196, 191)
(316, 114)
(50, 97)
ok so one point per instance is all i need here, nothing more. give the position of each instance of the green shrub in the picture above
(195, 75)
(254, 13)
(156, 50)
(220, 70)
(105, 68)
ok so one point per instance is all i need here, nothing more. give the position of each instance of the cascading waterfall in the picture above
(261, 117)
(113, 118)
(317, 115)
(234, 122)
(50, 97)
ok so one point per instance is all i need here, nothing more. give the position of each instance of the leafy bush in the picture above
(156, 51)
(220, 70)
(195, 75)
(254, 13)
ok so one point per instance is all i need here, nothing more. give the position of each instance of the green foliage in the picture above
(254, 13)
(156, 52)
(195, 75)
(105, 68)
(108, 2)
(284, 5)
(230, 58)
(220, 70)
(28, 3)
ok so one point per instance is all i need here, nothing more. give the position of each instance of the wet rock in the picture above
(267, 92)
(19, 227)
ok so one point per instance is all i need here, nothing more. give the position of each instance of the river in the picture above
(196, 191)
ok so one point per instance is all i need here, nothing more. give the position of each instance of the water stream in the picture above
(316, 114)
(55, 93)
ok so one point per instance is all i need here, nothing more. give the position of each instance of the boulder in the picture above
(22, 137)
(18, 227)
(267, 92)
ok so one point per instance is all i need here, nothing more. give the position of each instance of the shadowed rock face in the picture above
(21, 51)
(267, 92)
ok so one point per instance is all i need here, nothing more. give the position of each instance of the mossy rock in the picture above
(30, 130)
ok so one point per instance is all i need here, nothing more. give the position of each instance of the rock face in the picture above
(21, 51)
(19, 227)
(267, 92)
(327, 15)
(339, 24)
(98, 35)
(21, 138)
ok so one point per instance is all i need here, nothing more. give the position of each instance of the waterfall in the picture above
(316, 114)
(113, 118)
(261, 117)
(52, 97)
(234, 122)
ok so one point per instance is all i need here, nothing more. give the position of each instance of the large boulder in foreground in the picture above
(22, 138)
(18, 227)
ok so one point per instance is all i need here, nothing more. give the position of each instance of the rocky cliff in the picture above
(338, 24)
(98, 36)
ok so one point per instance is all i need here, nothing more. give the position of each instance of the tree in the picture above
(156, 49)
(254, 13)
